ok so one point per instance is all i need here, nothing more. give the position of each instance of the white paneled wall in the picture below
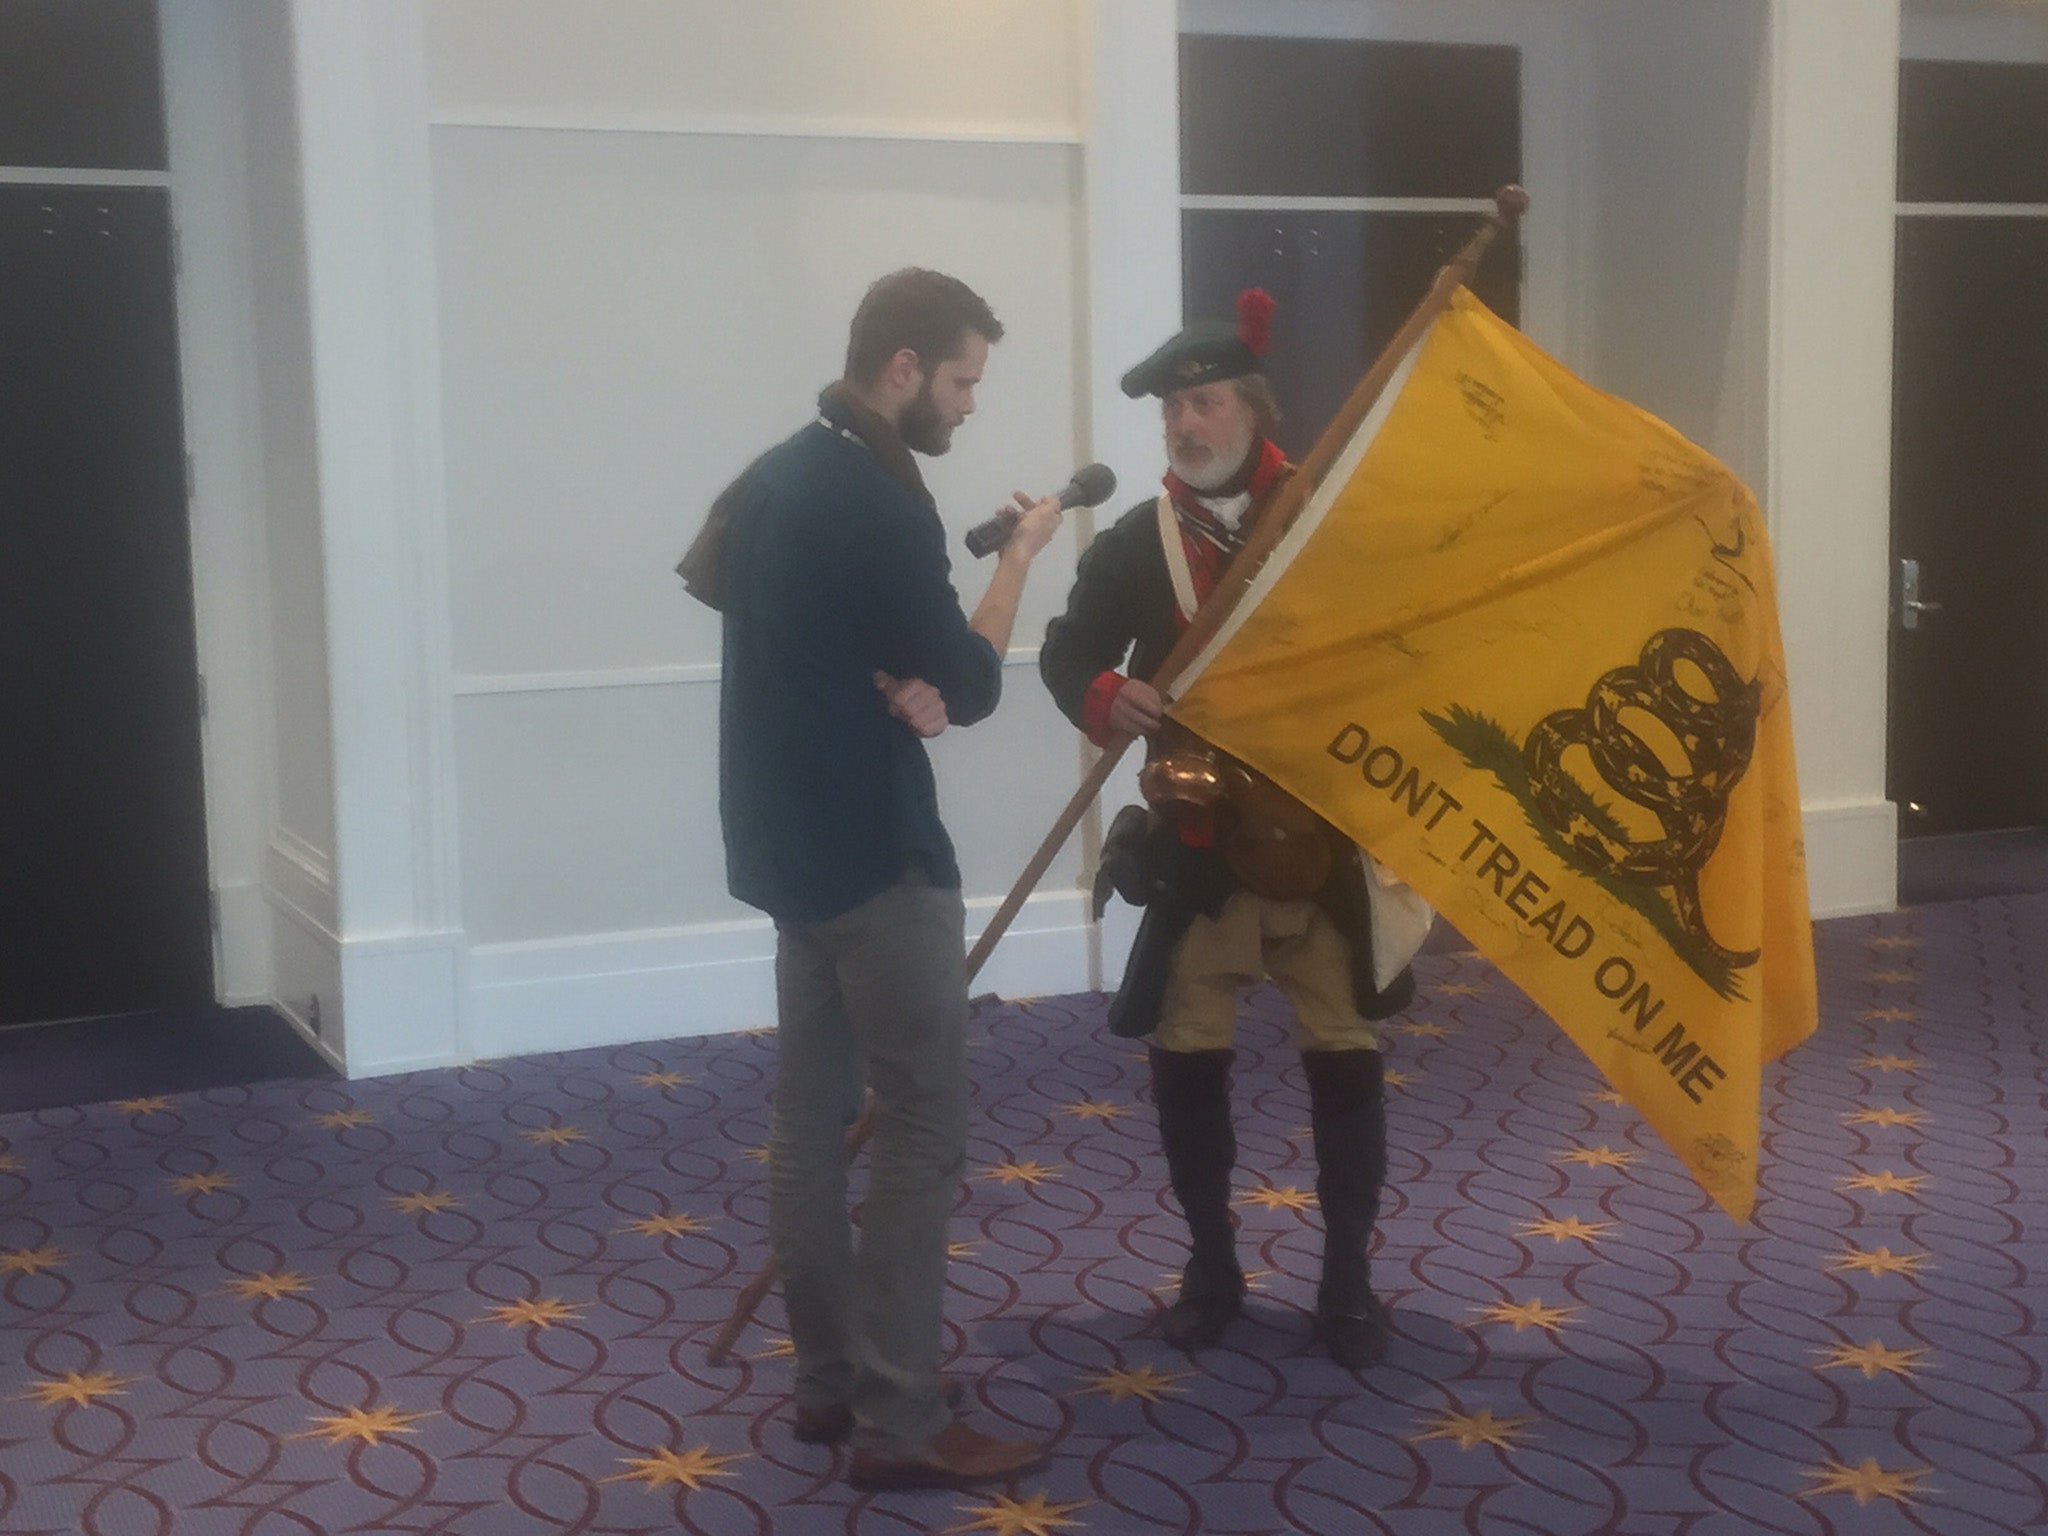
(629, 318)
(651, 237)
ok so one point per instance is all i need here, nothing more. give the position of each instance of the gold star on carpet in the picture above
(1867, 1481)
(661, 1079)
(687, 1470)
(1425, 1031)
(1563, 1229)
(961, 1250)
(12, 1164)
(1889, 1063)
(1607, 1096)
(554, 1136)
(1598, 1157)
(283, 1282)
(1020, 1173)
(540, 1312)
(677, 1225)
(151, 1106)
(1395, 1079)
(1881, 1262)
(1870, 1359)
(1284, 1198)
(1895, 941)
(79, 1388)
(759, 1154)
(1254, 1279)
(1887, 1015)
(1144, 1383)
(29, 1261)
(1910, 1118)
(369, 1425)
(428, 1202)
(1475, 1429)
(201, 1184)
(344, 1119)
(1885, 1183)
(1891, 976)
(778, 1349)
(1527, 1314)
(1035, 1516)
(1088, 1109)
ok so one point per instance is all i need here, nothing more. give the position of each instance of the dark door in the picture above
(103, 874)
(1296, 155)
(1969, 667)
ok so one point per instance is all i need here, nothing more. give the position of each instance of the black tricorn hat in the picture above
(1208, 351)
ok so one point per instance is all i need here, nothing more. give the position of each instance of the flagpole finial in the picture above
(1509, 204)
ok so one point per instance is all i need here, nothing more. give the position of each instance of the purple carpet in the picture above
(476, 1302)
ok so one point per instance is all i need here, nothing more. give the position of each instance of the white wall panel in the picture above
(1002, 782)
(998, 63)
(590, 811)
(628, 319)
(595, 810)
(1679, 132)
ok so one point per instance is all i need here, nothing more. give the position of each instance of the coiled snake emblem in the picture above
(1717, 735)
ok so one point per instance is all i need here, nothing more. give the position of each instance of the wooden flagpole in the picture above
(1510, 203)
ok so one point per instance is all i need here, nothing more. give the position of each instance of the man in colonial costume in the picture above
(1239, 880)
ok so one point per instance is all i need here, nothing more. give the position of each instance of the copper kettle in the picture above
(1184, 775)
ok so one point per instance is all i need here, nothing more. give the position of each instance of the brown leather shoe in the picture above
(956, 1457)
(831, 1424)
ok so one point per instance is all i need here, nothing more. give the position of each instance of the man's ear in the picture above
(904, 371)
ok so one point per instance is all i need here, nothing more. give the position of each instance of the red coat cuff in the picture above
(1095, 707)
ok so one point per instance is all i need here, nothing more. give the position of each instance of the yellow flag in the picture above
(1523, 646)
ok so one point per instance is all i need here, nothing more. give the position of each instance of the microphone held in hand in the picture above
(1092, 485)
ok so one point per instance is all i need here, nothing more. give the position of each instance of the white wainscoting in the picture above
(612, 989)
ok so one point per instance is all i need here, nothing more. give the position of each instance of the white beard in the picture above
(1223, 464)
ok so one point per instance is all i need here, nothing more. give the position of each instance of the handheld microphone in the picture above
(1092, 485)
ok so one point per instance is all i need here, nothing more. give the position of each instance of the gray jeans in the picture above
(876, 997)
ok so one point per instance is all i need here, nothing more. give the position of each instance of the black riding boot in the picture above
(1348, 1109)
(1192, 1092)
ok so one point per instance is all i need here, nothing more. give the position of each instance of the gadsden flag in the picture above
(1522, 644)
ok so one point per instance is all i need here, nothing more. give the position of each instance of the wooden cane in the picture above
(1510, 203)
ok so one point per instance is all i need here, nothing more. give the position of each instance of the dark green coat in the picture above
(1121, 617)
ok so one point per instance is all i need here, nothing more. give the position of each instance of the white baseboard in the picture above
(1852, 858)
(713, 978)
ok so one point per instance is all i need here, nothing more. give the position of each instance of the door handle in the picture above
(1911, 604)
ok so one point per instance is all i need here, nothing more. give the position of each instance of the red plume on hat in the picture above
(1255, 320)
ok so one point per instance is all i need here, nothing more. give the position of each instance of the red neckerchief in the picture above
(1210, 545)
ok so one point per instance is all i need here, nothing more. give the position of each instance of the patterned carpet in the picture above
(476, 1302)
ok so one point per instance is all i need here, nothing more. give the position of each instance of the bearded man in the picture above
(1240, 881)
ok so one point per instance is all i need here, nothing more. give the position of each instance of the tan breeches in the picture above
(1292, 942)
